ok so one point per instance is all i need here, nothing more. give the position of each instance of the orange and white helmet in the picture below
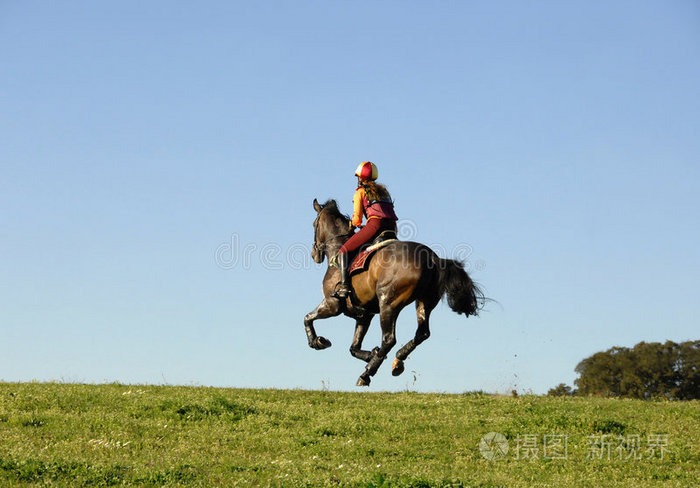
(367, 171)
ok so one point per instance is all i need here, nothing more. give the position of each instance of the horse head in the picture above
(329, 224)
(318, 249)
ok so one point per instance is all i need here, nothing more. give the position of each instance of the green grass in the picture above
(110, 435)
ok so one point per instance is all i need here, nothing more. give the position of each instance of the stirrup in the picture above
(341, 290)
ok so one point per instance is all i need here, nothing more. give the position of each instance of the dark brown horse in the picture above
(398, 274)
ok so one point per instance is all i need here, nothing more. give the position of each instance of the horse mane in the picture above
(331, 206)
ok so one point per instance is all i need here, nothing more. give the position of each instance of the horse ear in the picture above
(317, 206)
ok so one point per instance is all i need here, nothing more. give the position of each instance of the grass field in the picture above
(106, 435)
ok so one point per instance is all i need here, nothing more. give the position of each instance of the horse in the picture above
(399, 273)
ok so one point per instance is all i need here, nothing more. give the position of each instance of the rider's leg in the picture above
(353, 244)
(343, 289)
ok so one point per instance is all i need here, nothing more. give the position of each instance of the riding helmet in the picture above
(367, 171)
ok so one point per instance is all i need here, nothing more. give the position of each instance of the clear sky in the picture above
(555, 145)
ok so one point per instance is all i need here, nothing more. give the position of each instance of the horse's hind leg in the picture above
(422, 333)
(361, 326)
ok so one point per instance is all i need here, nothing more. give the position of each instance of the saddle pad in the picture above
(361, 262)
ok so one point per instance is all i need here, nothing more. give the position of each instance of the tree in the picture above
(648, 370)
(688, 370)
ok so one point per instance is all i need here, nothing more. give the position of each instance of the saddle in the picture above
(361, 261)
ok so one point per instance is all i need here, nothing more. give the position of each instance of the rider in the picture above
(372, 200)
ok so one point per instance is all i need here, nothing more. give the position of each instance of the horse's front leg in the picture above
(327, 308)
(361, 326)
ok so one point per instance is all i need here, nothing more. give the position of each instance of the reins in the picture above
(322, 247)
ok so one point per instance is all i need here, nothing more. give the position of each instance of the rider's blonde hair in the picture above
(376, 188)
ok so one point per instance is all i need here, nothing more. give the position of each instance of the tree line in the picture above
(648, 370)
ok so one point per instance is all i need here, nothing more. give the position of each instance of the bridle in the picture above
(321, 248)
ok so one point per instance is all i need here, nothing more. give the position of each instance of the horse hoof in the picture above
(362, 381)
(322, 343)
(397, 367)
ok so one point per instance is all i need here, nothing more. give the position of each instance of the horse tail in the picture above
(463, 295)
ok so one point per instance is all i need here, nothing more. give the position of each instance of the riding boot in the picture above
(343, 288)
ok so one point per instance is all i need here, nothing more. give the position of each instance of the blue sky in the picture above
(557, 141)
